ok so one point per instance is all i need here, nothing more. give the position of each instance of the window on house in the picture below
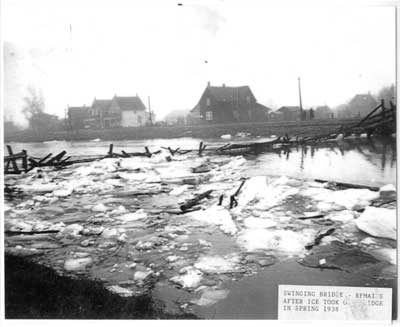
(139, 119)
(209, 115)
(208, 101)
(248, 99)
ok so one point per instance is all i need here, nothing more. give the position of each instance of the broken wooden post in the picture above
(224, 147)
(110, 151)
(192, 202)
(14, 164)
(383, 109)
(64, 161)
(25, 161)
(171, 151)
(348, 185)
(8, 161)
(201, 148)
(233, 202)
(319, 237)
(148, 153)
(56, 158)
(44, 159)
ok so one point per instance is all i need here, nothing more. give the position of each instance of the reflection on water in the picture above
(363, 161)
(370, 162)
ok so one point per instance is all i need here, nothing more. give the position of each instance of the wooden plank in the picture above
(56, 158)
(192, 202)
(64, 161)
(126, 155)
(44, 159)
(370, 114)
(348, 185)
(15, 156)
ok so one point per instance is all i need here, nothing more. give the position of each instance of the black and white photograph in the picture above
(199, 160)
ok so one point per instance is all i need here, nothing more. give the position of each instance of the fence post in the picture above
(25, 161)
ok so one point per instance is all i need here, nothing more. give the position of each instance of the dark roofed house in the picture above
(361, 105)
(275, 116)
(77, 117)
(290, 112)
(262, 112)
(226, 104)
(100, 111)
(323, 112)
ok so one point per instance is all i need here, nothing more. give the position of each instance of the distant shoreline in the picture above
(264, 129)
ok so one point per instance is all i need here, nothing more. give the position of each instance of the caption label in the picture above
(297, 302)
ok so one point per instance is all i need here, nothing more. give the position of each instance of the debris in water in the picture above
(338, 255)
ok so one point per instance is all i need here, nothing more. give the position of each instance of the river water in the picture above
(360, 161)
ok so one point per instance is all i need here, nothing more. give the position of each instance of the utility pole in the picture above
(150, 114)
(301, 105)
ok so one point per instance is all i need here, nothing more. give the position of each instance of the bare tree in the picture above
(34, 103)
(39, 121)
(387, 93)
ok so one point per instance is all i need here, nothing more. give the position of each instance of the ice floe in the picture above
(343, 216)
(333, 200)
(210, 297)
(378, 222)
(189, 278)
(286, 241)
(77, 264)
(139, 214)
(386, 254)
(216, 264)
(259, 223)
(216, 215)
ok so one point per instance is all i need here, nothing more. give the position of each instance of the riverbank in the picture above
(262, 129)
(43, 294)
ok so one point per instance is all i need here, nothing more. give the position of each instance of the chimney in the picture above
(223, 85)
(208, 84)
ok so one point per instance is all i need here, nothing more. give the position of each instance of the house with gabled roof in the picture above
(227, 104)
(127, 112)
(289, 113)
(78, 116)
(323, 112)
(361, 104)
(100, 111)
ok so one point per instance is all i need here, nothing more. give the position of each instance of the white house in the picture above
(131, 110)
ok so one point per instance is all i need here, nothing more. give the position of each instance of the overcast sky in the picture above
(77, 50)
